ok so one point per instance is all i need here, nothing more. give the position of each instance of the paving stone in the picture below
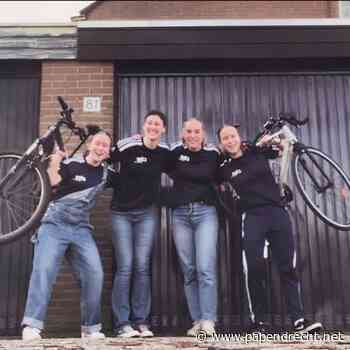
(169, 343)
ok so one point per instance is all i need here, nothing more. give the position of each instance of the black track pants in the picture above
(272, 224)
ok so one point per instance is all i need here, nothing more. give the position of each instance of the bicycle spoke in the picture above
(13, 215)
(30, 197)
(22, 202)
(8, 221)
(20, 191)
(17, 207)
(11, 227)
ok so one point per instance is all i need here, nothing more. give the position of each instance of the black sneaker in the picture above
(305, 326)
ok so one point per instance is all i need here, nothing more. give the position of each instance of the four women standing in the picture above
(193, 165)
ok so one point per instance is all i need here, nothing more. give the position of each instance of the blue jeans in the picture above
(195, 235)
(53, 240)
(133, 237)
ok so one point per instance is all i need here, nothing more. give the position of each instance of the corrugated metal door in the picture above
(19, 120)
(323, 253)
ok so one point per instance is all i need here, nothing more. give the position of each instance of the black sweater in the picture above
(193, 174)
(251, 177)
(137, 183)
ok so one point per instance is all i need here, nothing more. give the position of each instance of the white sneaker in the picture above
(93, 335)
(144, 331)
(193, 331)
(29, 333)
(127, 332)
(208, 327)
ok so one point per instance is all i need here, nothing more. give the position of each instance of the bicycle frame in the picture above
(290, 145)
(53, 131)
(288, 141)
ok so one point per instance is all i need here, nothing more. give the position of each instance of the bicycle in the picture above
(25, 189)
(322, 183)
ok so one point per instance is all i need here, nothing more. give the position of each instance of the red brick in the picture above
(93, 69)
(80, 77)
(107, 83)
(53, 77)
(77, 91)
(213, 9)
(89, 83)
(103, 76)
(65, 69)
(100, 91)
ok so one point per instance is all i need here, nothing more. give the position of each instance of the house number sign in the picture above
(92, 104)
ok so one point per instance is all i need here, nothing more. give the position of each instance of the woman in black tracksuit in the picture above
(263, 218)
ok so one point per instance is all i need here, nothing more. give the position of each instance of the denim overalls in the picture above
(66, 225)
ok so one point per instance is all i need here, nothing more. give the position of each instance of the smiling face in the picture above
(99, 148)
(231, 141)
(193, 134)
(153, 127)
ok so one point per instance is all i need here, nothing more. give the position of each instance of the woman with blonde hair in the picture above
(195, 220)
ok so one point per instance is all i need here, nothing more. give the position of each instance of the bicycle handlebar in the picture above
(291, 119)
(63, 104)
(54, 132)
(66, 112)
(284, 117)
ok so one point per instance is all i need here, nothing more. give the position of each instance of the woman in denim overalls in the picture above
(66, 226)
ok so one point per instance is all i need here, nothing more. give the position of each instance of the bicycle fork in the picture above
(318, 186)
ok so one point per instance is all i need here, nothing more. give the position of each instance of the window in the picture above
(344, 8)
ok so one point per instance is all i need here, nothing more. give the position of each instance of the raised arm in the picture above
(54, 167)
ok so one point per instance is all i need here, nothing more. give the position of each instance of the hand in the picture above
(245, 145)
(57, 157)
(266, 139)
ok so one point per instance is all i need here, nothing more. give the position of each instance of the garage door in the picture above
(19, 120)
(248, 99)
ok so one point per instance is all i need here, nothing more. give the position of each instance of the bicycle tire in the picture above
(35, 211)
(332, 206)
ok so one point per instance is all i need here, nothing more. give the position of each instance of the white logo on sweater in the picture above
(184, 158)
(79, 178)
(140, 160)
(236, 173)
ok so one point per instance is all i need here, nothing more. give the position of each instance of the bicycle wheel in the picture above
(23, 199)
(324, 186)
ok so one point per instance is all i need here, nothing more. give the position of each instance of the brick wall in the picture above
(213, 9)
(73, 81)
